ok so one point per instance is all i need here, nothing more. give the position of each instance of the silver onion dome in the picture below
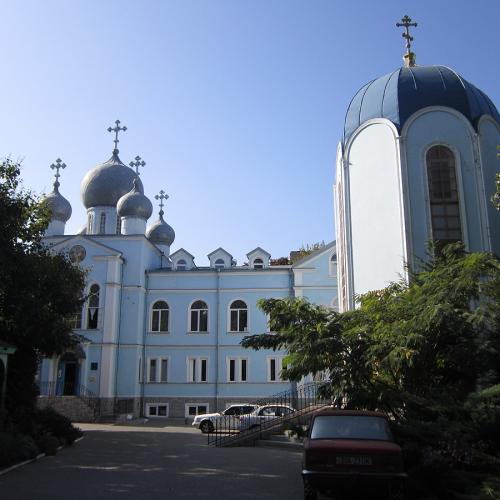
(105, 184)
(160, 233)
(134, 204)
(59, 206)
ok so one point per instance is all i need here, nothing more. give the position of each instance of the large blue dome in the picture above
(399, 94)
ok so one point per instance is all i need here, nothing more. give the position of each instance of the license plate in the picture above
(348, 460)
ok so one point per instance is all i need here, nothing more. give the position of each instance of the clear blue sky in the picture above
(236, 106)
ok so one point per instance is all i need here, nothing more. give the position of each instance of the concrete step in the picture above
(71, 407)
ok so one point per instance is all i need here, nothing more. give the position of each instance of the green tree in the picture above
(427, 352)
(496, 197)
(39, 290)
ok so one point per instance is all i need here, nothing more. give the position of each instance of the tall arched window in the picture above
(102, 223)
(90, 224)
(333, 264)
(443, 195)
(238, 316)
(159, 317)
(93, 308)
(118, 225)
(198, 317)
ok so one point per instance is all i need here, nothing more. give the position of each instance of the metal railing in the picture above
(57, 389)
(291, 408)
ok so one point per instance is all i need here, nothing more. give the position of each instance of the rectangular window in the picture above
(157, 410)
(203, 320)
(163, 370)
(94, 366)
(194, 321)
(76, 321)
(234, 321)
(155, 323)
(197, 369)
(152, 370)
(193, 409)
(237, 369)
(274, 367)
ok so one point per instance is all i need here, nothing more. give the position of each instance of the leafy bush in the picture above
(55, 424)
(16, 448)
(48, 444)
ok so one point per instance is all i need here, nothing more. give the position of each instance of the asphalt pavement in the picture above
(155, 461)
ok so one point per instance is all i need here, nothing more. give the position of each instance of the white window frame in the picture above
(183, 265)
(238, 360)
(232, 301)
(158, 377)
(86, 308)
(258, 265)
(159, 332)
(196, 362)
(102, 223)
(219, 263)
(190, 326)
(332, 265)
(150, 405)
(187, 405)
(118, 225)
(278, 360)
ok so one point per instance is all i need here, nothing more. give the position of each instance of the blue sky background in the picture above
(236, 106)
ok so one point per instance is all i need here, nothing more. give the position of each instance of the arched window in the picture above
(93, 308)
(258, 264)
(443, 195)
(118, 225)
(90, 224)
(219, 264)
(198, 317)
(238, 316)
(181, 265)
(159, 317)
(333, 264)
(102, 223)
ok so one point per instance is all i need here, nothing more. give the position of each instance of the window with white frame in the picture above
(258, 264)
(238, 316)
(237, 369)
(181, 265)
(158, 370)
(198, 317)
(90, 223)
(157, 409)
(76, 320)
(159, 317)
(274, 367)
(333, 264)
(93, 307)
(102, 223)
(118, 225)
(193, 409)
(197, 369)
(219, 264)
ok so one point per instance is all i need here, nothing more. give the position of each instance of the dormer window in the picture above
(258, 264)
(219, 264)
(181, 265)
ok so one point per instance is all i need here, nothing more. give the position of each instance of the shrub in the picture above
(48, 444)
(16, 448)
(55, 424)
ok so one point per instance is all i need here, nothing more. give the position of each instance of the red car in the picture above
(348, 449)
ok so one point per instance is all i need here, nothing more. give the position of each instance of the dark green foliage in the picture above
(427, 353)
(38, 290)
(55, 424)
(48, 444)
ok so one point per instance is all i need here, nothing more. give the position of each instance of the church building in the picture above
(417, 163)
(160, 334)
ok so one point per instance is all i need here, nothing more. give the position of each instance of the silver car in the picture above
(226, 420)
(264, 413)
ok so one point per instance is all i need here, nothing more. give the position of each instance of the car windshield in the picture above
(350, 427)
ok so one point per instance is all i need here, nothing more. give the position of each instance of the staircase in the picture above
(305, 400)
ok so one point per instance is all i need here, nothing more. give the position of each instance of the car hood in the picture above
(206, 415)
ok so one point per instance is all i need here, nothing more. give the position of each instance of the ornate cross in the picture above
(139, 162)
(406, 23)
(116, 130)
(56, 166)
(162, 196)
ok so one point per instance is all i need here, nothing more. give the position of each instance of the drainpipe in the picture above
(217, 342)
(144, 326)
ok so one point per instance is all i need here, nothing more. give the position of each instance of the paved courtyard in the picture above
(149, 462)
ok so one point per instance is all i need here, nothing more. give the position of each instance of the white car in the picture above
(228, 419)
(263, 414)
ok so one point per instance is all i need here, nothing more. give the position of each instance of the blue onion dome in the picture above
(397, 95)
(160, 233)
(105, 184)
(134, 204)
(59, 206)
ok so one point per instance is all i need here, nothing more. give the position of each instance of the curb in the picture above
(38, 457)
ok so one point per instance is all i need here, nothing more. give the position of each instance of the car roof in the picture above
(349, 413)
